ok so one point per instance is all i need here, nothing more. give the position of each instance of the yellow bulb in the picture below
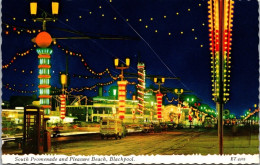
(156, 31)
(14, 18)
(177, 13)
(203, 24)
(90, 12)
(195, 38)
(200, 4)
(24, 20)
(67, 19)
(169, 34)
(103, 15)
(140, 20)
(201, 45)
(80, 16)
(114, 18)
(146, 26)
(192, 30)
(100, 7)
(181, 32)
(127, 20)
(164, 16)
(151, 19)
(188, 9)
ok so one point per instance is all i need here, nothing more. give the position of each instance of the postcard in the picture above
(130, 82)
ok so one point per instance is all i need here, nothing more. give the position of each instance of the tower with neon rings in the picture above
(43, 41)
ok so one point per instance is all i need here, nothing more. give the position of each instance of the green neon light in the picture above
(44, 50)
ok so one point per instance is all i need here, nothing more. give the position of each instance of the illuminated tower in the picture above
(141, 87)
(43, 40)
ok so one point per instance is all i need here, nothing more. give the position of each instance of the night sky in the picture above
(174, 41)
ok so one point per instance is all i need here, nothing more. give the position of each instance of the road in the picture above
(164, 143)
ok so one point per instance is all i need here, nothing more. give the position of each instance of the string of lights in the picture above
(141, 20)
(5, 66)
(90, 88)
(71, 53)
(17, 90)
(170, 101)
(18, 30)
(18, 85)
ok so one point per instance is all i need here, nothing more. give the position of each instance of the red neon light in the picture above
(62, 106)
(159, 105)
(121, 99)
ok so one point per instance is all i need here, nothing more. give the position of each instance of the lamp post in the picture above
(178, 92)
(121, 87)
(44, 19)
(220, 29)
(190, 100)
(197, 105)
(43, 41)
(159, 82)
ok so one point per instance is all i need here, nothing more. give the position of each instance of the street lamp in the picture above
(178, 92)
(122, 87)
(44, 19)
(159, 82)
(122, 66)
(63, 79)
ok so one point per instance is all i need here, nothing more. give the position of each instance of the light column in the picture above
(121, 98)
(141, 87)
(159, 106)
(62, 106)
(44, 56)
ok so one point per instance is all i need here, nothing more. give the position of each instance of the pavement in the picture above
(185, 141)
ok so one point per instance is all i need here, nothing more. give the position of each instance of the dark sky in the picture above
(174, 42)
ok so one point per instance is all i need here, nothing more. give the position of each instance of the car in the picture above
(147, 128)
(112, 128)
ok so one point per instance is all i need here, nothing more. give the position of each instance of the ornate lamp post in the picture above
(43, 41)
(220, 29)
(159, 96)
(121, 87)
(178, 92)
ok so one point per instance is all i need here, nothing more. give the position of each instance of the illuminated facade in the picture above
(44, 55)
(141, 87)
